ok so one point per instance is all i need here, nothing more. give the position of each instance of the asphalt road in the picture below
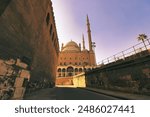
(60, 93)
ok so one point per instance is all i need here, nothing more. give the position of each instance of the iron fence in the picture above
(134, 51)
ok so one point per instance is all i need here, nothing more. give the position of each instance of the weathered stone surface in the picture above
(5, 69)
(24, 32)
(3, 5)
(19, 93)
(64, 81)
(25, 74)
(130, 75)
(79, 80)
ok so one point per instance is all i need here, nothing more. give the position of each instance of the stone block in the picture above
(20, 82)
(21, 64)
(25, 74)
(5, 69)
(19, 93)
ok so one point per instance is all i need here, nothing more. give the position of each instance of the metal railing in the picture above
(123, 55)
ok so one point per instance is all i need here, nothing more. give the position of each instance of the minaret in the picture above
(83, 42)
(89, 34)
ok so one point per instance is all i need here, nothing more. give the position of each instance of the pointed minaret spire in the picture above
(89, 34)
(83, 42)
(88, 19)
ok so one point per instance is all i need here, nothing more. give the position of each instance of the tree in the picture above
(143, 37)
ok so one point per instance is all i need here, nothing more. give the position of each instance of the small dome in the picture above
(85, 50)
(71, 47)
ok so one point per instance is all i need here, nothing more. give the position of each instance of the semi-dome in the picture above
(71, 47)
(85, 50)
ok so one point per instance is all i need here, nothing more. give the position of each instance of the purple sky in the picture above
(115, 24)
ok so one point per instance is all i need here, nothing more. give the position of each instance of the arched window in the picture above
(89, 69)
(80, 69)
(70, 69)
(63, 70)
(76, 69)
(48, 18)
(59, 70)
(51, 29)
(53, 36)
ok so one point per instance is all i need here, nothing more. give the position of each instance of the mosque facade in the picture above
(74, 59)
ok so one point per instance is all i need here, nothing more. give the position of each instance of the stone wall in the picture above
(79, 80)
(130, 75)
(64, 81)
(25, 27)
(3, 5)
(14, 77)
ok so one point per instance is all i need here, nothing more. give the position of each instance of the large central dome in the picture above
(71, 47)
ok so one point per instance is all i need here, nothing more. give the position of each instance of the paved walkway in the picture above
(118, 94)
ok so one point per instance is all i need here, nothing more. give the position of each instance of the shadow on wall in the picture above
(14, 77)
(3, 5)
(129, 76)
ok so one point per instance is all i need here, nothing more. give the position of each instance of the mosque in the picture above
(74, 60)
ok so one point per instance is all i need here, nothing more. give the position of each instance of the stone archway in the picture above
(70, 71)
(80, 69)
